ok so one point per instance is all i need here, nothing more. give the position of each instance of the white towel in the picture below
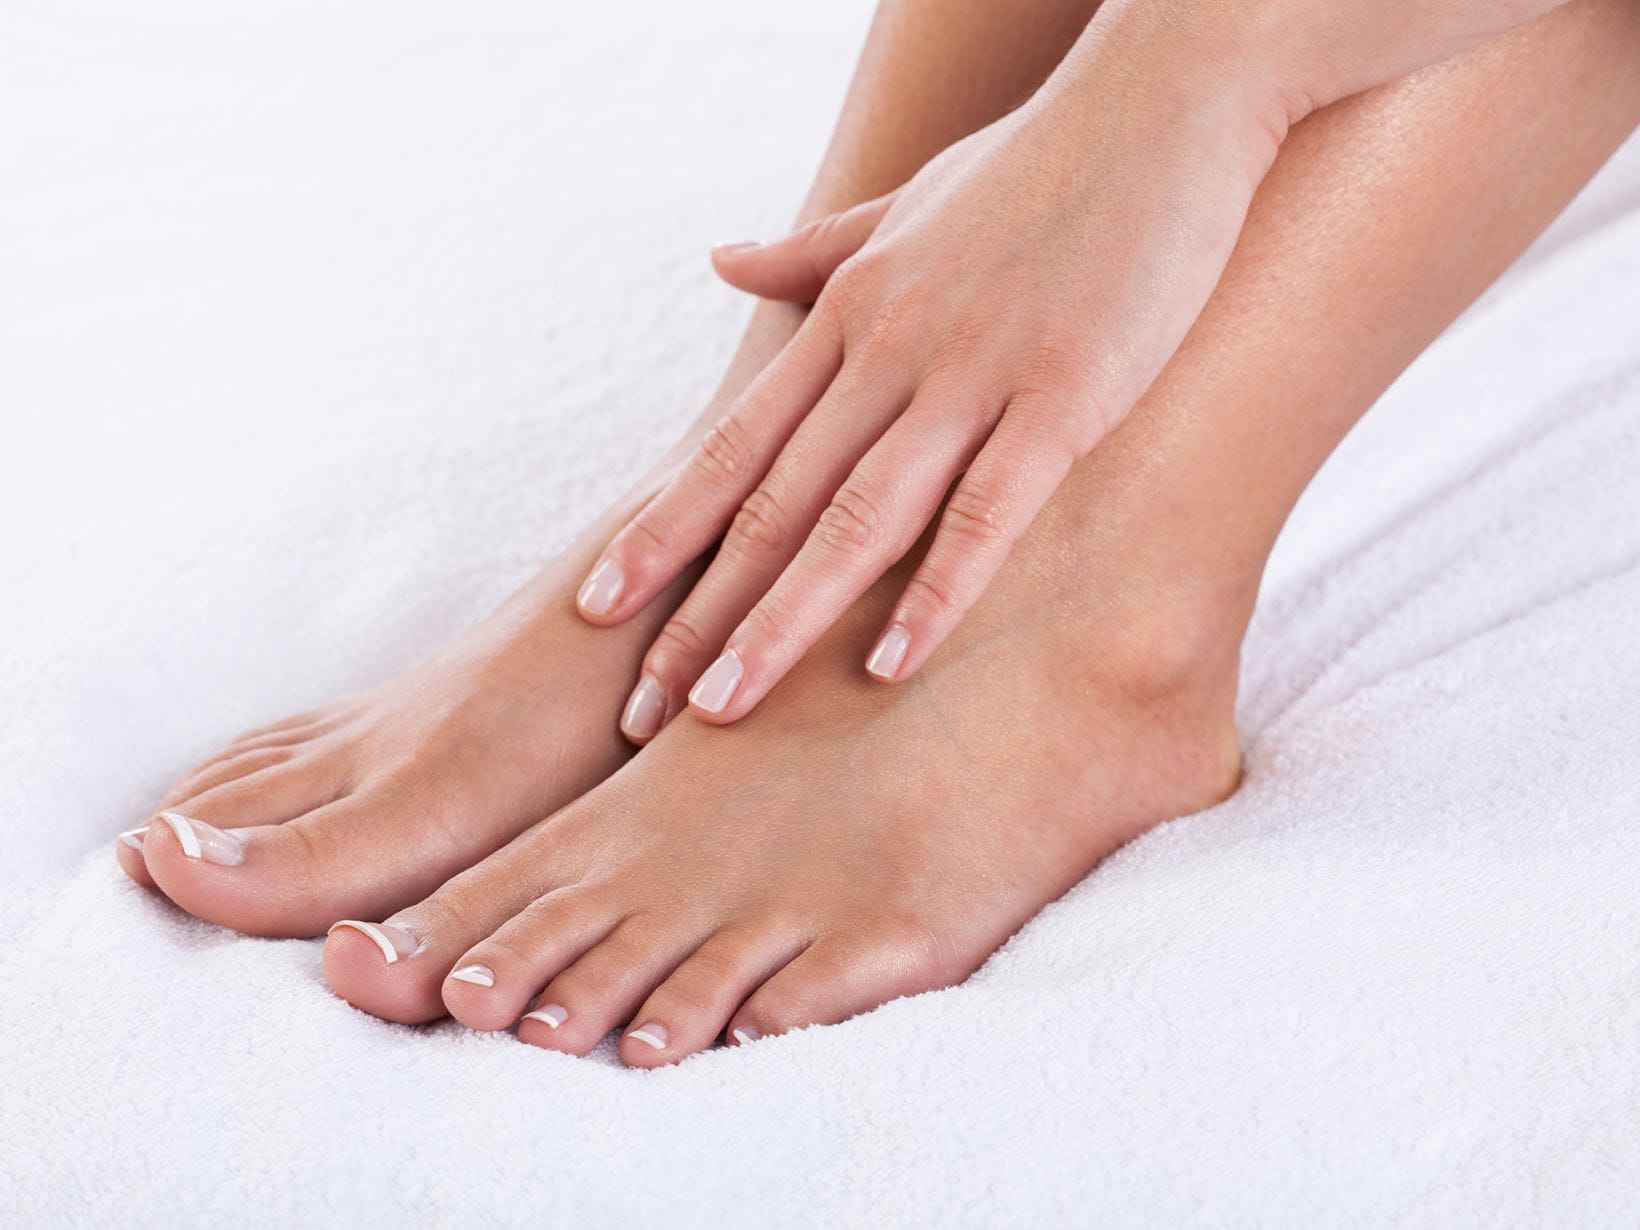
(325, 324)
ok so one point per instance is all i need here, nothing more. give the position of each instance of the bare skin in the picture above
(379, 798)
(848, 844)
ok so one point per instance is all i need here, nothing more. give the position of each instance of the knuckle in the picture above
(767, 623)
(761, 527)
(920, 955)
(724, 456)
(679, 644)
(974, 515)
(852, 523)
(932, 591)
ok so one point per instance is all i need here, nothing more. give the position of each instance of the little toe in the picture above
(580, 1007)
(494, 981)
(842, 976)
(688, 1011)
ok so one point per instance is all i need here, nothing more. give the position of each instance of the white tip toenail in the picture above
(393, 941)
(746, 1035)
(550, 1015)
(478, 975)
(184, 830)
(133, 837)
(650, 1035)
(204, 841)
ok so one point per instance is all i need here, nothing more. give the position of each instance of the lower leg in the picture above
(850, 843)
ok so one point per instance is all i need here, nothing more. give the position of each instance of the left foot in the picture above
(847, 844)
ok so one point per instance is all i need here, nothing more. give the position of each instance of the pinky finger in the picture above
(1014, 475)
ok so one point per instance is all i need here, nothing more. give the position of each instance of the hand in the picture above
(986, 326)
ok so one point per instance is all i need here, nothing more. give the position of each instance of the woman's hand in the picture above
(972, 336)
(985, 326)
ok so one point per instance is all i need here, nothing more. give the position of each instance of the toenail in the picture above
(650, 1035)
(203, 841)
(602, 589)
(133, 837)
(645, 710)
(745, 1035)
(478, 975)
(713, 690)
(551, 1015)
(395, 942)
(890, 652)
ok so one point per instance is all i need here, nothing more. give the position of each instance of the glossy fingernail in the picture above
(645, 710)
(713, 690)
(602, 589)
(746, 1035)
(478, 975)
(395, 942)
(651, 1034)
(550, 1015)
(203, 841)
(738, 245)
(133, 837)
(885, 659)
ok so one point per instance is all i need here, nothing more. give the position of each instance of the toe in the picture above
(269, 796)
(445, 931)
(223, 770)
(493, 982)
(842, 976)
(579, 1007)
(688, 1011)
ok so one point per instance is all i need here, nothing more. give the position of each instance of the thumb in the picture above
(796, 267)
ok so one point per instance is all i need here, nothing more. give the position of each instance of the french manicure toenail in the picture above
(713, 690)
(645, 710)
(602, 589)
(885, 659)
(550, 1015)
(478, 975)
(203, 841)
(133, 837)
(395, 942)
(650, 1035)
(746, 1034)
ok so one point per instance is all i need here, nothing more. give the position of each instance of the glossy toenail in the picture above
(203, 841)
(133, 837)
(650, 1035)
(745, 1035)
(551, 1015)
(478, 975)
(645, 710)
(890, 652)
(602, 589)
(713, 690)
(395, 942)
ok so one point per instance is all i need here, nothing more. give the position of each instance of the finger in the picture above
(1027, 457)
(692, 511)
(796, 267)
(764, 537)
(876, 516)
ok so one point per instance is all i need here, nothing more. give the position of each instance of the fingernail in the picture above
(650, 1035)
(602, 589)
(713, 690)
(738, 245)
(478, 975)
(890, 652)
(746, 1035)
(201, 841)
(395, 942)
(133, 837)
(551, 1015)
(645, 710)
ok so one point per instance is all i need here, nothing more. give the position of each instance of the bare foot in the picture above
(849, 842)
(367, 805)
